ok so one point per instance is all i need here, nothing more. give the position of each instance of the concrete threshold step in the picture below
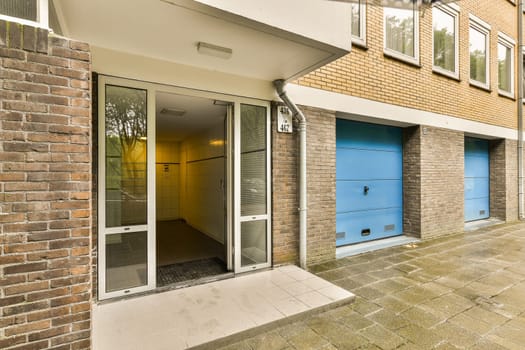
(215, 314)
(252, 332)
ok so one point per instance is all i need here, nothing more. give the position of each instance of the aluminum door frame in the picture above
(233, 176)
(103, 232)
(238, 268)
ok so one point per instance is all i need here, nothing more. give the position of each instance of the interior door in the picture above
(252, 188)
(126, 188)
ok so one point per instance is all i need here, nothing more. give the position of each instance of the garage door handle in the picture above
(366, 189)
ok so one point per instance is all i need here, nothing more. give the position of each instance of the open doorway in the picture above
(183, 178)
(191, 188)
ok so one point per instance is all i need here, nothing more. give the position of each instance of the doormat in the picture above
(190, 270)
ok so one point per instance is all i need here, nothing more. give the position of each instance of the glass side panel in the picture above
(25, 9)
(253, 242)
(478, 56)
(126, 156)
(523, 77)
(53, 18)
(253, 160)
(356, 19)
(126, 260)
(399, 30)
(444, 27)
(504, 68)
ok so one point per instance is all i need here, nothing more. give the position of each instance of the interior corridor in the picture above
(184, 253)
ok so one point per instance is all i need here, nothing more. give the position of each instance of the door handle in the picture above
(365, 190)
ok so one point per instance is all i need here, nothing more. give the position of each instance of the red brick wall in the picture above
(45, 183)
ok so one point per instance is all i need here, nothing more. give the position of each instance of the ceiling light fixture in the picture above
(172, 112)
(216, 142)
(221, 103)
(214, 50)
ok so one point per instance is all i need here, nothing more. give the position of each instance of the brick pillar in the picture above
(412, 181)
(285, 199)
(320, 136)
(504, 180)
(45, 183)
(434, 181)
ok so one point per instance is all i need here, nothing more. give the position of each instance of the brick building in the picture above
(444, 106)
(134, 149)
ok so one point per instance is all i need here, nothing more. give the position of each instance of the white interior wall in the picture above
(168, 180)
(202, 182)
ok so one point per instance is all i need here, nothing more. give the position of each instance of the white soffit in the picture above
(361, 109)
(170, 30)
(325, 21)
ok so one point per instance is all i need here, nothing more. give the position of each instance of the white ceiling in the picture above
(201, 114)
(170, 32)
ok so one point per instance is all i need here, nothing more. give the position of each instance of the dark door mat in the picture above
(190, 270)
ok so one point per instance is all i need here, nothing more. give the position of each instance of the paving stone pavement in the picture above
(464, 291)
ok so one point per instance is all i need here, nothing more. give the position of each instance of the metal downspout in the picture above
(297, 114)
(520, 112)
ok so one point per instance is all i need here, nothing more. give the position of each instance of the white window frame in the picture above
(452, 10)
(42, 14)
(399, 55)
(509, 43)
(523, 71)
(484, 28)
(361, 39)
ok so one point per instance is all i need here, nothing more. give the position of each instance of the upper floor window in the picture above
(30, 12)
(505, 65)
(445, 40)
(359, 22)
(479, 46)
(523, 73)
(401, 33)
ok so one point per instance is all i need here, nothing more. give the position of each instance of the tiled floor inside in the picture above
(188, 317)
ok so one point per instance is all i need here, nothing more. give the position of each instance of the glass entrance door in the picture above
(126, 183)
(126, 217)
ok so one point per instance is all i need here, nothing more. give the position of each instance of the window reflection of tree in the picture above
(444, 49)
(523, 76)
(126, 130)
(478, 65)
(400, 33)
(356, 19)
(504, 71)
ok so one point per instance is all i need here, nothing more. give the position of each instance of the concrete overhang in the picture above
(269, 39)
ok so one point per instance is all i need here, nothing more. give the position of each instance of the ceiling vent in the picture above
(172, 112)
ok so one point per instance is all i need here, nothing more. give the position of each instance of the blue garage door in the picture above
(369, 184)
(476, 179)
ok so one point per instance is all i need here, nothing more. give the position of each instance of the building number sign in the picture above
(284, 120)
